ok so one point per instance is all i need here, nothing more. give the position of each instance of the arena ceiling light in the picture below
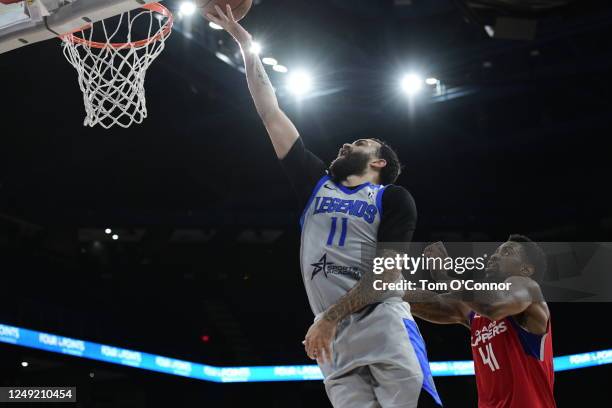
(280, 68)
(431, 81)
(187, 8)
(412, 84)
(269, 61)
(255, 48)
(299, 83)
(224, 58)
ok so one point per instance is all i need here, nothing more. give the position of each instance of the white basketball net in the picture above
(111, 74)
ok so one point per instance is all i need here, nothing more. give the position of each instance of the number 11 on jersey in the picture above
(332, 231)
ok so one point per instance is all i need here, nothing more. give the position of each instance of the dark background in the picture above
(209, 239)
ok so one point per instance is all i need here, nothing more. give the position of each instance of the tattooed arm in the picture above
(319, 336)
(362, 294)
(281, 130)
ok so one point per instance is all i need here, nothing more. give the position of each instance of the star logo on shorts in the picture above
(320, 266)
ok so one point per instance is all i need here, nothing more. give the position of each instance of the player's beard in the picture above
(350, 164)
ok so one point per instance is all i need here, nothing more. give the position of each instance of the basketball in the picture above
(240, 8)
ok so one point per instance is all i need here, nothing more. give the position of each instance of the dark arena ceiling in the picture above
(515, 140)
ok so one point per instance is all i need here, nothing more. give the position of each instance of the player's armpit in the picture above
(535, 318)
(499, 304)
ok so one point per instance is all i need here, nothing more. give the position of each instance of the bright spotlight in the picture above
(187, 8)
(431, 81)
(412, 84)
(280, 68)
(24, 364)
(108, 231)
(269, 61)
(255, 48)
(115, 237)
(215, 26)
(299, 83)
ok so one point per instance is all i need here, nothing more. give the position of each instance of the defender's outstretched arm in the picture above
(281, 130)
(437, 308)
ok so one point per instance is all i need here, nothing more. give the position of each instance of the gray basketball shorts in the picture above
(379, 361)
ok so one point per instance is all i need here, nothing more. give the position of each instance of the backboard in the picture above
(24, 22)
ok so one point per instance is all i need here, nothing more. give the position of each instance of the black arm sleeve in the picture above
(399, 215)
(304, 170)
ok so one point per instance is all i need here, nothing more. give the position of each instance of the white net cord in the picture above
(112, 75)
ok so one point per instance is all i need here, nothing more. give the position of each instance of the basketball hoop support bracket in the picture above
(68, 18)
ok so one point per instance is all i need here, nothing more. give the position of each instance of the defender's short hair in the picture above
(534, 254)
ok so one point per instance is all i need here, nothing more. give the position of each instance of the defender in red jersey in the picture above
(511, 335)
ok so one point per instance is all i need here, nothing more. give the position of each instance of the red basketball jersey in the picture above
(514, 368)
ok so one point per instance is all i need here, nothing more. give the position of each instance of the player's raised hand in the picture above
(229, 24)
(437, 251)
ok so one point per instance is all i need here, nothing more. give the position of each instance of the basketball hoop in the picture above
(112, 74)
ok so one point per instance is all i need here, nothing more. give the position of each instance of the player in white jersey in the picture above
(365, 341)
